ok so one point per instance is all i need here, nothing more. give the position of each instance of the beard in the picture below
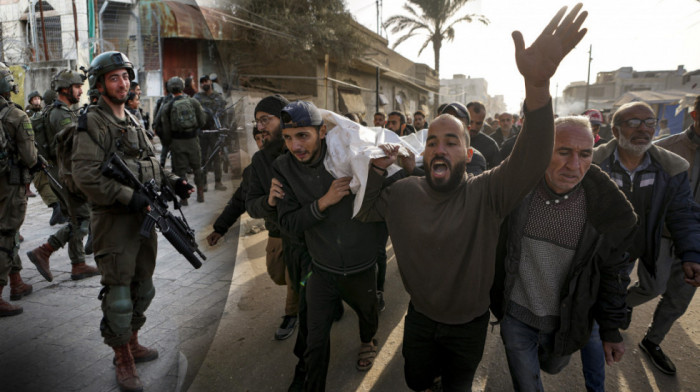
(634, 149)
(206, 88)
(456, 174)
(115, 100)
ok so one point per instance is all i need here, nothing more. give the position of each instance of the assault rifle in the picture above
(45, 165)
(174, 228)
(223, 135)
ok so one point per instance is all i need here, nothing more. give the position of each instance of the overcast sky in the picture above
(645, 34)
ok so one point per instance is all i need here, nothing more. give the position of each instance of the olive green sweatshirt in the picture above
(445, 242)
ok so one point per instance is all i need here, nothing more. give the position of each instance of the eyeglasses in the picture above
(636, 122)
(263, 120)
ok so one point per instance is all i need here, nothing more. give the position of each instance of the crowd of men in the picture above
(539, 223)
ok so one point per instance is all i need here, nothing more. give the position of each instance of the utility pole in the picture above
(556, 97)
(588, 79)
(376, 95)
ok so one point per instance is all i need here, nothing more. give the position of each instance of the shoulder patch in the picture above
(27, 126)
(66, 121)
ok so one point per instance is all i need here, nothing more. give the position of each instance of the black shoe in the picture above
(657, 356)
(286, 329)
(299, 380)
(88, 245)
(339, 311)
(380, 301)
(57, 217)
(628, 319)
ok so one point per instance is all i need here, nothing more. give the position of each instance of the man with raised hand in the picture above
(456, 218)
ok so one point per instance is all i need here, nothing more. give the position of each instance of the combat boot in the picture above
(40, 258)
(127, 377)
(18, 288)
(6, 308)
(81, 271)
(184, 202)
(200, 195)
(56, 217)
(139, 352)
(219, 186)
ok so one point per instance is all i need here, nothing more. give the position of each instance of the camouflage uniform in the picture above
(212, 103)
(184, 143)
(125, 259)
(13, 197)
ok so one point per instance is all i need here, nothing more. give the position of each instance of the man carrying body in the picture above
(126, 259)
(548, 311)
(18, 154)
(212, 102)
(478, 139)
(655, 181)
(68, 85)
(444, 227)
(312, 204)
(181, 119)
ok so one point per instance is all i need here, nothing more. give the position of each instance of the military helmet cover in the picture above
(7, 80)
(67, 78)
(175, 82)
(107, 62)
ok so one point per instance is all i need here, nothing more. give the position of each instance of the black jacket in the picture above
(337, 243)
(259, 186)
(234, 208)
(598, 279)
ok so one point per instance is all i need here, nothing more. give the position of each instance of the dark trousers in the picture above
(323, 291)
(432, 349)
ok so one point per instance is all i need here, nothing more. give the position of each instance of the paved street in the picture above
(214, 328)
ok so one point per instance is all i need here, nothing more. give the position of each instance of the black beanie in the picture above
(272, 104)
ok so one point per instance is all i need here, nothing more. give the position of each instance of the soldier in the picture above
(34, 105)
(181, 118)
(126, 259)
(17, 155)
(68, 85)
(212, 102)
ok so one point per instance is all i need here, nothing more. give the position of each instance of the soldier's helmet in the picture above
(33, 94)
(107, 62)
(175, 84)
(66, 78)
(7, 81)
(49, 96)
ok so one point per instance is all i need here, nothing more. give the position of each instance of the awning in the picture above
(185, 20)
(352, 103)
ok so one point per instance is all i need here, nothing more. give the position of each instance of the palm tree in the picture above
(437, 21)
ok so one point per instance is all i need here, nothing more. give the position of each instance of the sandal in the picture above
(366, 356)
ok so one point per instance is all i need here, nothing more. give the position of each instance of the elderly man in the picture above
(656, 183)
(548, 312)
(668, 282)
(444, 226)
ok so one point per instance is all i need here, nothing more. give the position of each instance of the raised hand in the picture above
(539, 62)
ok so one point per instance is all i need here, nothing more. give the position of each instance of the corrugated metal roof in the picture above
(185, 20)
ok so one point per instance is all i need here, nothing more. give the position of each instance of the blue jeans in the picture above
(593, 360)
(528, 350)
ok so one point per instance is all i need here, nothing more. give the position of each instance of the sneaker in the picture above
(657, 356)
(286, 329)
(380, 301)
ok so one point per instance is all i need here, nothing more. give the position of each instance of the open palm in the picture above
(539, 62)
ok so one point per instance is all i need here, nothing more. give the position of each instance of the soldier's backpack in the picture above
(5, 148)
(40, 125)
(64, 151)
(182, 115)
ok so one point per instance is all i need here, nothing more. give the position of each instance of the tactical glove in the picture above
(138, 202)
(182, 188)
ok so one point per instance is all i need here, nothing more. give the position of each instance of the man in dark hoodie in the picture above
(260, 204)
(343, 251)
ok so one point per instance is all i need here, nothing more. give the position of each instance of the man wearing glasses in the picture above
(655, 181)
(260, 203)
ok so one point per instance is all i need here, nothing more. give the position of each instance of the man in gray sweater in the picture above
(449, 279)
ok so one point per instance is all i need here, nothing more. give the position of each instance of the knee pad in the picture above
(143, 293)
(117, 308)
